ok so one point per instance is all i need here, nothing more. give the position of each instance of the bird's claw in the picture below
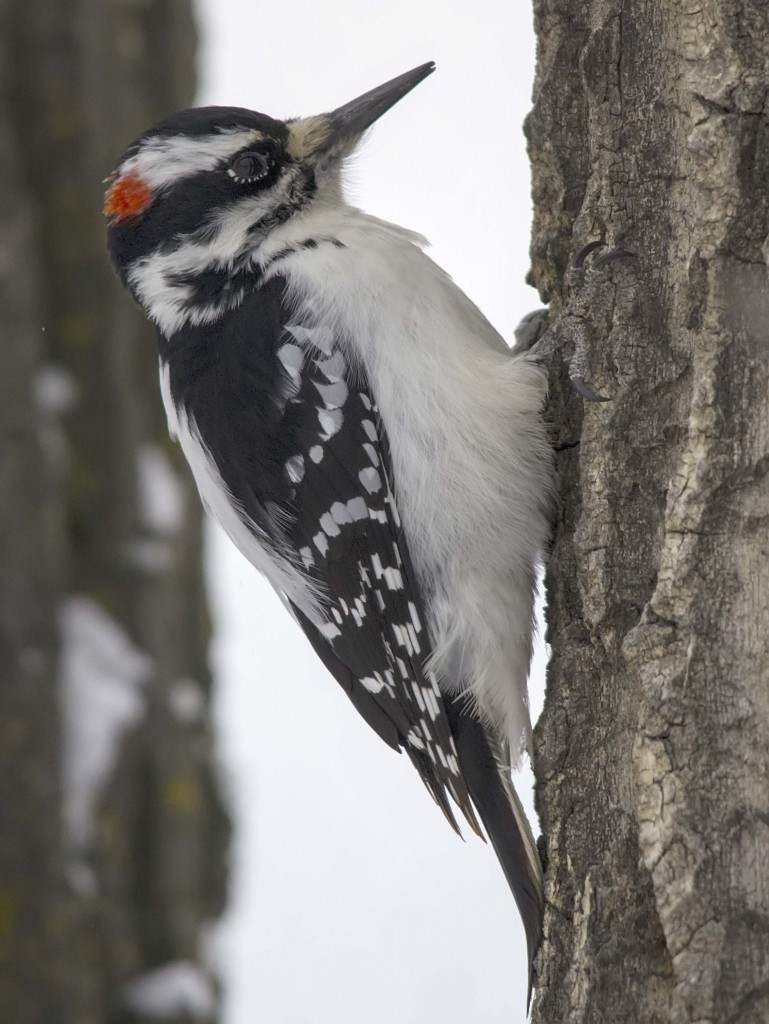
(583, 389)
(568, 331)
(582, 253)
(611, 256)
(577, 270)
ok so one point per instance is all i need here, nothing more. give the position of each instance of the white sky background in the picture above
(352, 900)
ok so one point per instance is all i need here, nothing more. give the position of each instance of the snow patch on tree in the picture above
(176, 990)
(102, 677)
(161, 495)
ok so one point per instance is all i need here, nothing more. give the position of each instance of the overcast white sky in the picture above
(352, 900)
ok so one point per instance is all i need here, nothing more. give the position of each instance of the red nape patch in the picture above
(126, 198)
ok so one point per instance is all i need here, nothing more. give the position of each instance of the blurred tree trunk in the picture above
(113, 833)
(650, 129)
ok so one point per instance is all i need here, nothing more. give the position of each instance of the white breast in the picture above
(470, 453)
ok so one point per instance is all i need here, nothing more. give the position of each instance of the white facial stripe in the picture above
(164, 160)
(152, 277)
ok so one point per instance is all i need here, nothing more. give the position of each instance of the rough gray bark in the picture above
(91, 902)
(650, 129)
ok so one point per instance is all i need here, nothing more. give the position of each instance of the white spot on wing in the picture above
(333, 369)
(372, 685)
(402, 638)
(370, 479)
(321, 542)
(415, 740)
(357, 508)
(370, 429)
(415, 617)
(328, 525)
(292, 358)
(393, 579)
(340, 513)
(316, 453)
(330, 421)
(413, 637)
(394, 510)
(432, 704)
(371, 452)
(333, 395)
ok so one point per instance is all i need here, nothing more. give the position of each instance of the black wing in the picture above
(343, 521)
(297, 439)
(346, 528)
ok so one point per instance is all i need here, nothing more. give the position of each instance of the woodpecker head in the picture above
(193, 198)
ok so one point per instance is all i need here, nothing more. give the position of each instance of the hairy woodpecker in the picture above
(359, 429)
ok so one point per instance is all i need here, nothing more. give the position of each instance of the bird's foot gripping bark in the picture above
(567, 334)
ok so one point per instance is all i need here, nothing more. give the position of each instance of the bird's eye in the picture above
(249, 167)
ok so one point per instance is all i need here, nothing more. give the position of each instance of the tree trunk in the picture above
(114, 836)
(650, 130)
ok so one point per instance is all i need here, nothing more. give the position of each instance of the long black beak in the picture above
(349, 122)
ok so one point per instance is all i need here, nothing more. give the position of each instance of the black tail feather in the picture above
(503, 817)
